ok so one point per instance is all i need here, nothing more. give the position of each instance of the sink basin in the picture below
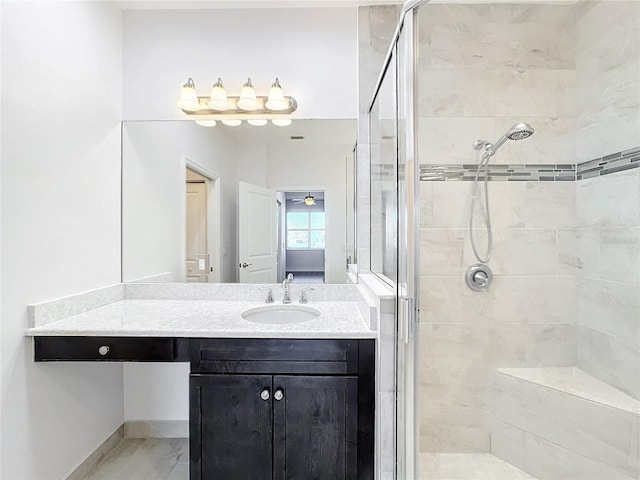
(280, 314)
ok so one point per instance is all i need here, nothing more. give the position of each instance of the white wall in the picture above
(0, 234)
(61, 106)
(307, 167)
(312, 51)
(154, 220)
(252, 162)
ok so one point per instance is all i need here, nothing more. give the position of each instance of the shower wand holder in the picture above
(478, 277)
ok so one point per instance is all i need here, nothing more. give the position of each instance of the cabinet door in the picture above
(230, 427)
(315, 428)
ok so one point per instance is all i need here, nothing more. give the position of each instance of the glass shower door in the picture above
(407, 281)
(394, 221)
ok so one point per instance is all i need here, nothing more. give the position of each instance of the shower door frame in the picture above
(403, 51)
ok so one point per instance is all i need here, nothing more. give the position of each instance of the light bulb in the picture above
(206, 123)
(218, 99)
(276, 100)
(248, 99)
(309, 200)
(257, 122)
(232, 123)
(281, 122)
(188, 97)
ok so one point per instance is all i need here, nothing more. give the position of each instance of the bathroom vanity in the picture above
(267, 401)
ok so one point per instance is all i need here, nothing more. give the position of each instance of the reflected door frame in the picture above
(304, 189)
(213, 217)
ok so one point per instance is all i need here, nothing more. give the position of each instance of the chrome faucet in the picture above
(286, 298)
(303, 295)
(269, 298)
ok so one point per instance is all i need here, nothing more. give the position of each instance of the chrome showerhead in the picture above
(519, 131)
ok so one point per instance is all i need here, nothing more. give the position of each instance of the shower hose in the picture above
(483, 165)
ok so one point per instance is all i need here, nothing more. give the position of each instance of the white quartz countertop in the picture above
(205, 318)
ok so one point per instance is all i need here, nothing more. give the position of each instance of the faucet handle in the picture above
(303, 295)
(269, 298)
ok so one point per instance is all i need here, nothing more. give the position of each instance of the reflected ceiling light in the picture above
(276, 100)
(248, 100)
(206, 123)
(309, 200)
(257, 122)
(188, 97)
(281, 122)
(232, 122)
(218, 98)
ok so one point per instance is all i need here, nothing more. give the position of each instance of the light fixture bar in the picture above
(245, 106)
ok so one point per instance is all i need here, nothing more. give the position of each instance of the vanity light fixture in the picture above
(232, 122)
(276, 100)
(256, 110)
(281, 122)
(218, 98)
(206, 123)
(188, 97)
(248, 100)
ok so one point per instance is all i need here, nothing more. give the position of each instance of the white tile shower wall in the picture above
(527, 318)
(608, 66)
(606, 261)
(376, 25)
(381, 303)
(483, 68)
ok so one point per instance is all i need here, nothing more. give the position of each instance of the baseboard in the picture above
(157, 429)
(98, 455)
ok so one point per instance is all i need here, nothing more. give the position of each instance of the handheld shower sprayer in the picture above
(519, 131)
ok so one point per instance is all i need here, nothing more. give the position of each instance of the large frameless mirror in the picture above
(237, 204)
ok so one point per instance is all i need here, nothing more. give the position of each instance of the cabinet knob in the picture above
(264, 395)
(103, 350)
(279, 394)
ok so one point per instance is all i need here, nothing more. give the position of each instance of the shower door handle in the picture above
(406, 318)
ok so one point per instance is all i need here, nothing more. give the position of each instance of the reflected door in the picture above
(197, 255)
(257, 231)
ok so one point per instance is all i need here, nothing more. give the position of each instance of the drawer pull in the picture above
(103, 350)
(264, 395)
(279, 394)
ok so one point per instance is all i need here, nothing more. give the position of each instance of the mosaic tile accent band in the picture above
(509, 173)
(616, 162)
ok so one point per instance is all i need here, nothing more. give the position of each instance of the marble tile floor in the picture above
(145, 459)
(467, 466)
(168, 459)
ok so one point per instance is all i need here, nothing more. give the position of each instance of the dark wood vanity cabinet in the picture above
(260, 409)
(304, 420)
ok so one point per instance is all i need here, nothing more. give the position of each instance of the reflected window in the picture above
(305, 230)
